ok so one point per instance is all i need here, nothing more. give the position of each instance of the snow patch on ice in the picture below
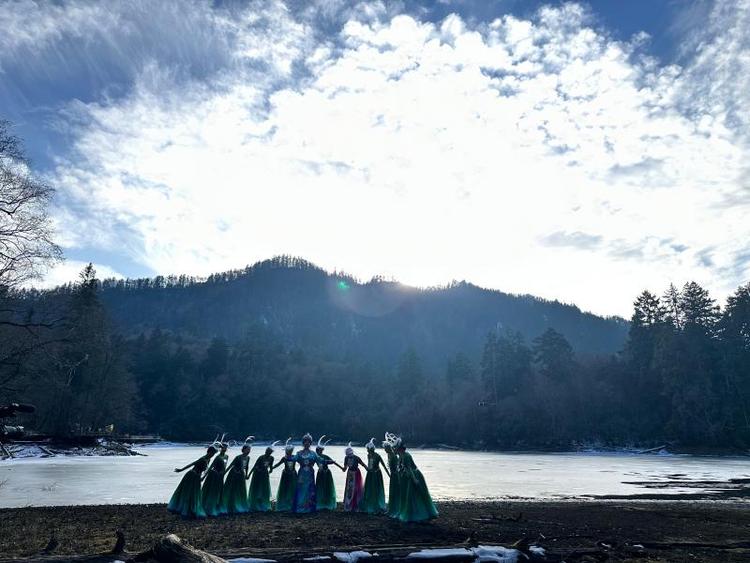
(496, 553)
(483, 553)
(435, 553)
(536, 550)
(353, 556)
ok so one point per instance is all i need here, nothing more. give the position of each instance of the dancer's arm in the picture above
(188, 466)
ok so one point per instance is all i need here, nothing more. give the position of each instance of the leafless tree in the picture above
(26, 245)
(26, 250)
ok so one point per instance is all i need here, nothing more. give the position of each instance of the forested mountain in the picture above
(283, 348)
(336, 316)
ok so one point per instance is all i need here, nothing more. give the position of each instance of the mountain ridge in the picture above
(334, 313)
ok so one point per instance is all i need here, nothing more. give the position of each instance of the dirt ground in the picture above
(573, 531)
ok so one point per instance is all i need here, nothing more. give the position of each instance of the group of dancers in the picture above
(213, 488)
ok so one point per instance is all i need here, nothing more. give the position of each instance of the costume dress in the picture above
(394, 490)
(186, 499)
(354, 489)
(325, 490)
(234, 497)
(373, 499)
(213, 485)
(304, 496)
(259, 495)
(416, 502)
(287, 485)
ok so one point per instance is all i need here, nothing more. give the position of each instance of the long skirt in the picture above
(186, 500)
(325, 490)
(304, 496)
(234, 497)
(416, 502)
(285, 493)
(213, 485)
(394, 495)
(259, 496)
(373, 499)
(354, 490)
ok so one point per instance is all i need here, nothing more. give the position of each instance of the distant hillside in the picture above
(335, 315)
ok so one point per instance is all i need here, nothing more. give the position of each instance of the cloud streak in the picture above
(533, 155)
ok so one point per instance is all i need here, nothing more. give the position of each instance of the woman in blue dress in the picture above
(304, 496)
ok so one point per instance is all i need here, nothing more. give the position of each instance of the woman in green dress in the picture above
(186, 500)
(288, 481)
(373, 500)
(259, 495)
(416, 502)
(394, 490)
(325, 489)
(213, 484)
(234, 497)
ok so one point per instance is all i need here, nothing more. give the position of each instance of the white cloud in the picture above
(430, 151)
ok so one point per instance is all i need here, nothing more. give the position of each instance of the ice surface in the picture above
(64, 480)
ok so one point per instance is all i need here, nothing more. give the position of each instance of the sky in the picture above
(576, 151)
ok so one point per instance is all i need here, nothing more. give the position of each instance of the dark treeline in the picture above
(333, 315)
(682, 376)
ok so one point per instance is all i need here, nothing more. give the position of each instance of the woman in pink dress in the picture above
(354, 487)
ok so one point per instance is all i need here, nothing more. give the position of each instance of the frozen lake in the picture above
(449, 474)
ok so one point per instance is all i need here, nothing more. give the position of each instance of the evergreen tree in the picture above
(554, 355)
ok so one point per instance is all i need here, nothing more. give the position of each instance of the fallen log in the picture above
(171, 549)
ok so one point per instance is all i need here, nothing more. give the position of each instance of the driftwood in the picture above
(651, 450)
(6, 451)
(171, 549)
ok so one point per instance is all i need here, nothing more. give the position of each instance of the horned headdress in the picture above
(392, 440)
(270, 448)
(321, 443)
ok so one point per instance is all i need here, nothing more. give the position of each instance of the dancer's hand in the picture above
(177, 469)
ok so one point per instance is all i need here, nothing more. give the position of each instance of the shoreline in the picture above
(27, 449)
(711, 531)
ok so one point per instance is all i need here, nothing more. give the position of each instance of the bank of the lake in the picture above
(668, 531)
